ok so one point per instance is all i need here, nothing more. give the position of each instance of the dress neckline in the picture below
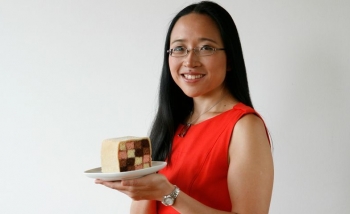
(216, 116)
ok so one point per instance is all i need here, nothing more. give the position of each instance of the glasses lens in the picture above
(205, 51)
(200, 51)
(178, 51)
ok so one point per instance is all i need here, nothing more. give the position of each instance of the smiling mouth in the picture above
(193, 77)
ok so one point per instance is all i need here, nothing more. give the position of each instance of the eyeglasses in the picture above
(199, 51)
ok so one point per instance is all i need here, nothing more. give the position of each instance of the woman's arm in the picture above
(250, 175)
(143, 207)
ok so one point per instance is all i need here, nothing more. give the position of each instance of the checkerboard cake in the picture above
(126, 154)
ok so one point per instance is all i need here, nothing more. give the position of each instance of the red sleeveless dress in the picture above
(200, 160)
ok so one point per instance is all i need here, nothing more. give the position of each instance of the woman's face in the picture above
(197, 75)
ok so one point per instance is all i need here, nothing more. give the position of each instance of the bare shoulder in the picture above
(249, 140)
(250, 130)
(250, 174)
(250, 122)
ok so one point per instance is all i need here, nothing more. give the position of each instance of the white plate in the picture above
(115, 176)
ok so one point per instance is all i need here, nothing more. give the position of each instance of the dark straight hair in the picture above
(173, 105)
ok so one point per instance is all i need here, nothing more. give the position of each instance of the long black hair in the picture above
(173, 105)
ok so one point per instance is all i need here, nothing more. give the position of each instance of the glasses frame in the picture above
(195, 50)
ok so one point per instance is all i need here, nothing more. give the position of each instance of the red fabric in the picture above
(200, 160)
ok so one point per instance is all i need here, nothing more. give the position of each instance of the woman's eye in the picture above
(206, 48)
(179, 49)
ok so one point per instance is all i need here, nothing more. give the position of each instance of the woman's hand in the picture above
(149, 187)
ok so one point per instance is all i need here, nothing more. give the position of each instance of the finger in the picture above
(138, 182)
(131, 182)
(98, 181)
(111, 184)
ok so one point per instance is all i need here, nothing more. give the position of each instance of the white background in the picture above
(73, 73)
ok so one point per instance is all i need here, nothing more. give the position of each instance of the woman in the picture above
(215, 143)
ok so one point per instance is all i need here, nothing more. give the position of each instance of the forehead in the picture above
(195, 27)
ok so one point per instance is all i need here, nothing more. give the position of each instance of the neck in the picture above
(203, 103)
(195, 116)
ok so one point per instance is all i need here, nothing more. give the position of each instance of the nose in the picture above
(191, 59)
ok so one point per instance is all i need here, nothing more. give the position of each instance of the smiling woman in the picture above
(73, 73)
(197, 74)
(206, 127)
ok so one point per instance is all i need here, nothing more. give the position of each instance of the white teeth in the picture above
(192, 77)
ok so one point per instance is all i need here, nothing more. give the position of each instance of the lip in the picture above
(192, 77)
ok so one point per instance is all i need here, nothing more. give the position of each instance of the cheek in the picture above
(174, 66)
(172, 69)
(172, 63)
(218, 65)
(218, 71)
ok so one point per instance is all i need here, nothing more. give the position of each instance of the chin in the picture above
(192, 94)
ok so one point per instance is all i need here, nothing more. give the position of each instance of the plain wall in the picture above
(73, 73)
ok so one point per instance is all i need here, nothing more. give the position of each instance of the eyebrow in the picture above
(200, 39)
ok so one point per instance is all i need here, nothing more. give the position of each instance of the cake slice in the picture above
(126, 154)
